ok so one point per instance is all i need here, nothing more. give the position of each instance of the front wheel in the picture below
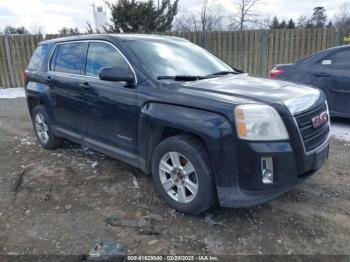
(182, 176)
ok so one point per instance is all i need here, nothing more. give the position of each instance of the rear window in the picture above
(38, 57)
(68, 58)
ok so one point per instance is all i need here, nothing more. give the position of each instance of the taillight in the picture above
(25, 76)
(276, 72)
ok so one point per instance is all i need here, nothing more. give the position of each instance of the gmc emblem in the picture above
(320, 120)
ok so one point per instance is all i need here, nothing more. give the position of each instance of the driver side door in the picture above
(111, 106)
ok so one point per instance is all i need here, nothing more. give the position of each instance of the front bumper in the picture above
(249, 189)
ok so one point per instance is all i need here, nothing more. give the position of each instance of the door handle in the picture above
(85, 85)
(321, 74)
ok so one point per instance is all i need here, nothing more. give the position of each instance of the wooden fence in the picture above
(254, 52)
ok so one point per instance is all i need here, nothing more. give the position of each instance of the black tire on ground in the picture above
(196, 153)
(53, 141)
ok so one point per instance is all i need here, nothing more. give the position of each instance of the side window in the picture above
(103, 55)
(68, 58)
(341, 59)
(37, 57)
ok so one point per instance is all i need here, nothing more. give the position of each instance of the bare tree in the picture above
(263, 23)
(36, 29)
(245, 12)
(302, 21)
(193, 21)
(209, 17)
(342, 19)
(185, 23)
(90, 30)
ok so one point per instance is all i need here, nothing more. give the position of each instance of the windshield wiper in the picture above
(195, 78)
(221, 73)
(182, 78)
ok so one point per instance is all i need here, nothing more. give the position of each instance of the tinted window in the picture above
(341, 59)
(103, 55)
(170, 58)
(68, 58)
(37, 57)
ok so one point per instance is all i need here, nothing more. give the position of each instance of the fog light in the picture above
(267, 170)
(267, 176)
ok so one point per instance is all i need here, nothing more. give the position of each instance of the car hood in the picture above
(296, 97)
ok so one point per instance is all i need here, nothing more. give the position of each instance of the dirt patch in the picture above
(65, 201)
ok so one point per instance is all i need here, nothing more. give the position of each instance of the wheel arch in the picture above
(165, 132)
(159, 121)
(38, 94)
(32, 102)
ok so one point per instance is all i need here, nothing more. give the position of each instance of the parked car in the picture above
(204, 130)
(328, 70)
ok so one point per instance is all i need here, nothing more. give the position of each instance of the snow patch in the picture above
(94, 166)
(341, 130)
(135, 183)
(28, 141)
(8, 93)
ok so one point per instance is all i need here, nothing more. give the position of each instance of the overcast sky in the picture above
(54, 14)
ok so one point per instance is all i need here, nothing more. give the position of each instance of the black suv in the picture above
(204, 130)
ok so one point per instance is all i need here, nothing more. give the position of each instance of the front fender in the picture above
(214, 129)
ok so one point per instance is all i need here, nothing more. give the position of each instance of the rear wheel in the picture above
(182, 176)
(43, 129)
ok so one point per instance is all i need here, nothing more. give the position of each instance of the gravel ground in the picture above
(64, 201)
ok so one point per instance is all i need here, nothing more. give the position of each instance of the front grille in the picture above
(312, 137)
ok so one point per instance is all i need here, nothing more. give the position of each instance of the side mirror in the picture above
(117, 75)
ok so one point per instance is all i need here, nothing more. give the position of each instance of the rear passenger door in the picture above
(332, 74)
(340, 82)
(64, 77)
(111, 106)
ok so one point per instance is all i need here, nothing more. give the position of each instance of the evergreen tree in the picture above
(319, 17)
(65, 31)
(291, 24)
(330, 24)
(283, 25)
(309, 24)
(275, 23)
(131, 16)
(11, 30)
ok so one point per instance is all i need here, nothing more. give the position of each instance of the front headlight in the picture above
(259, 122)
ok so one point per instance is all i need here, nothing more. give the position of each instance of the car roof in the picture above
(333, 49)
(120, 37)
(325, 51)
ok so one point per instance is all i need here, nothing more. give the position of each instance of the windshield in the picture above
(165, 58)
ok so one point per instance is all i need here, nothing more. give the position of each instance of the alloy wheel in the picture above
(178, 177)
(41, 128)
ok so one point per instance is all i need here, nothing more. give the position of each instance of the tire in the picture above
(177, 183)
(43, 130)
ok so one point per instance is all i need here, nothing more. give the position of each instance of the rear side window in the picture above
(103, 55)
(68, 58)
(341, 60)
(38, 57)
